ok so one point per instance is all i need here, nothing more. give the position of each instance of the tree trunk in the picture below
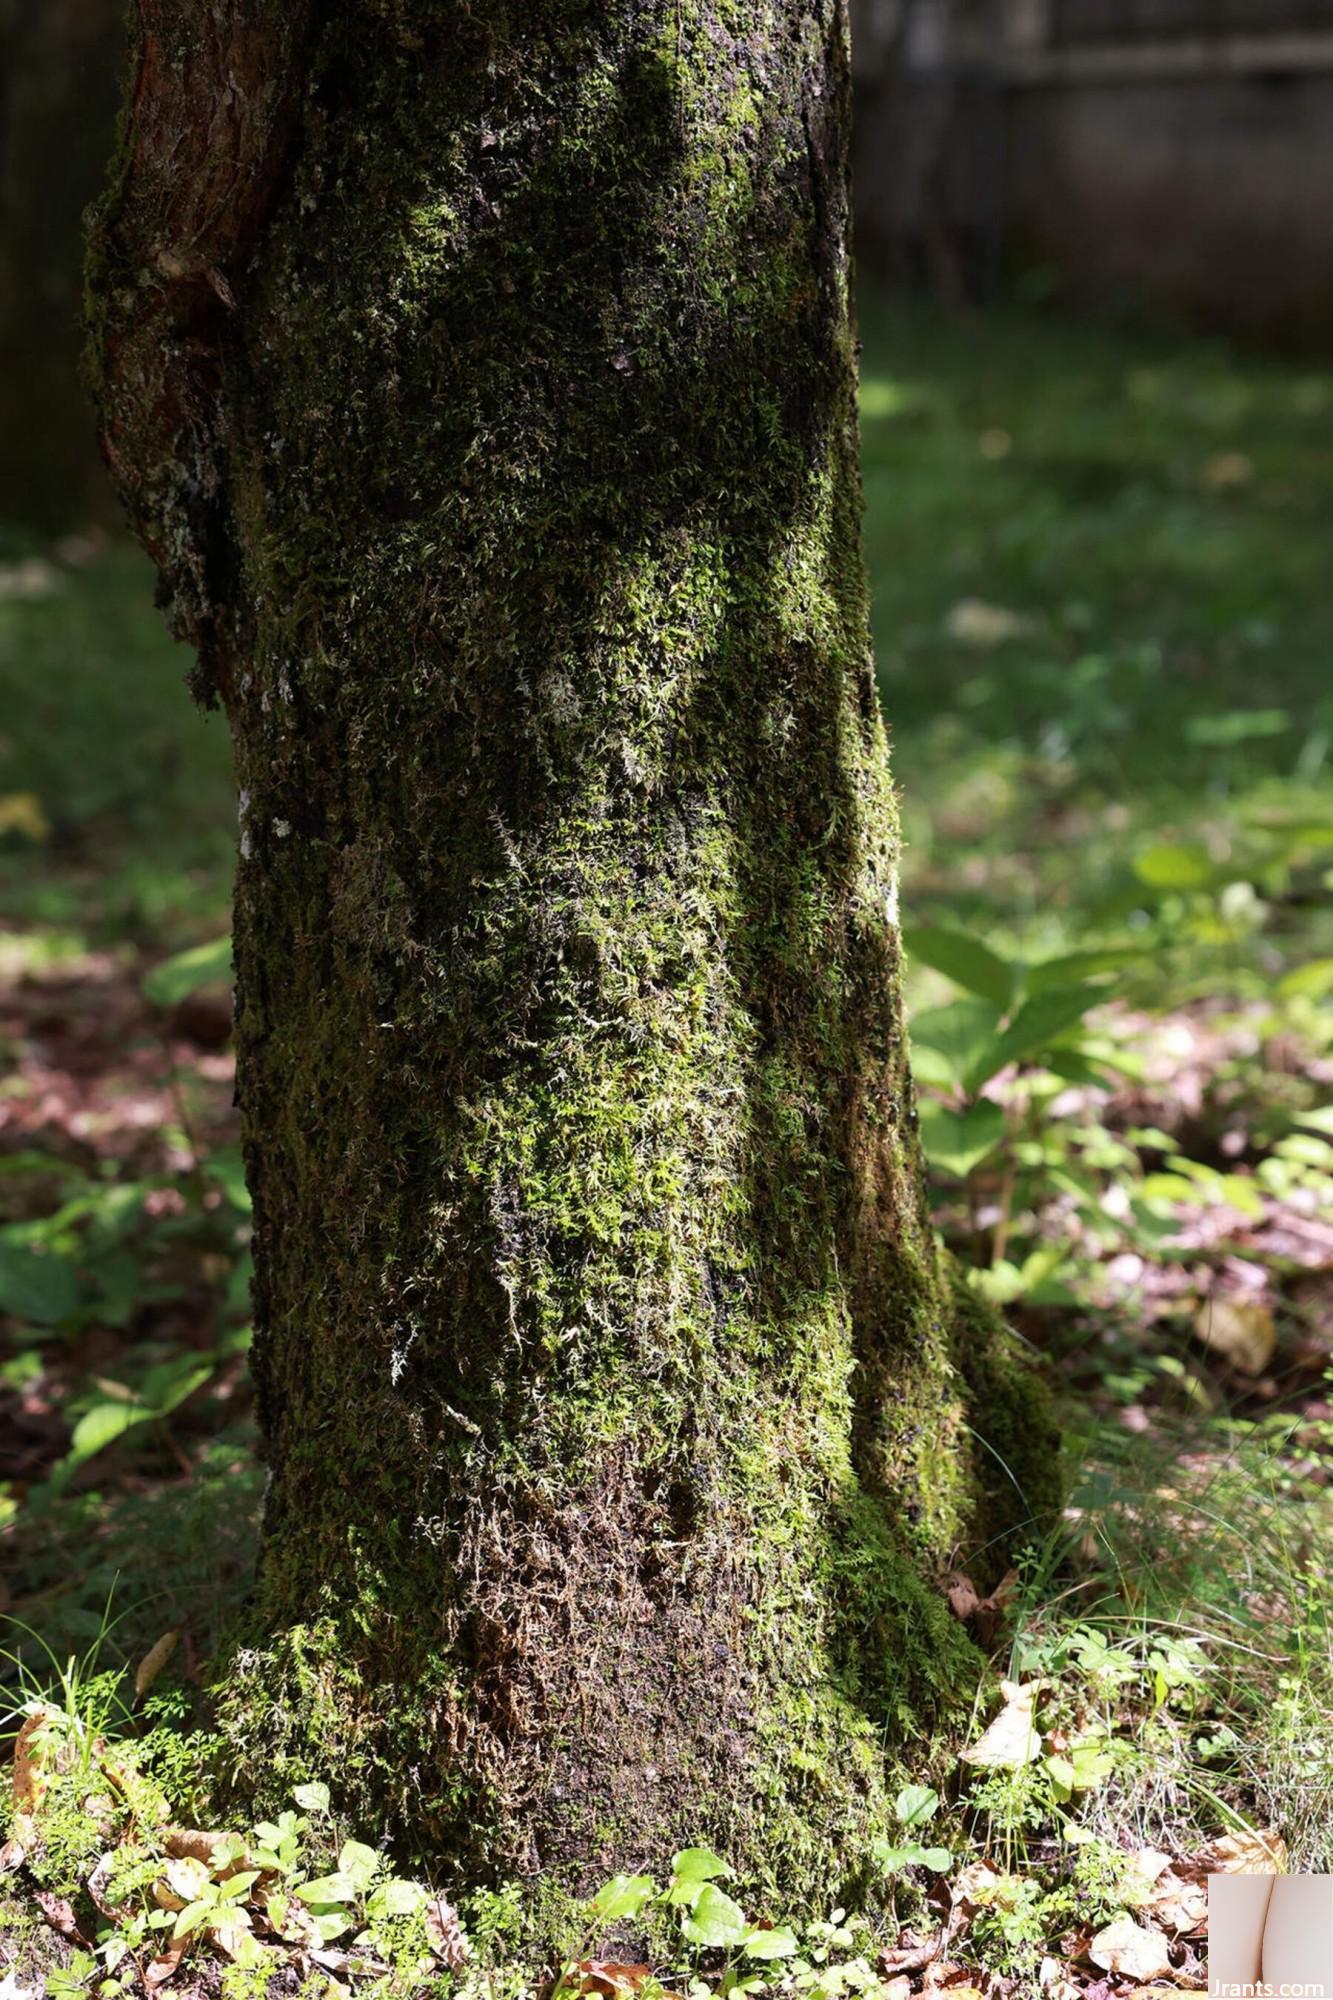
(60, 69)
(482, 379)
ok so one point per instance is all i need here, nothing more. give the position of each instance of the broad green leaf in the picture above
(958, 1140)
(1172, 865)
(236, 1885)
(714, 1920)
(698, 1864)
(193, 1917)
(622, 1896)
(776, 1943)
(170, 1382)
(916, 1804)
(313, 1797)
(960, 1035)
(1073, 966)
(964, 959)
(1036, 1024)
(397, 1898)
(938, 1859)
(41, 1289)
(203, 965)
(359, 1863)
(338, 1888)
(101, 1426)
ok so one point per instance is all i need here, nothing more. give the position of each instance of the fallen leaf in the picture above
(1253, 1852)
(961, 1594)
(910, 1957)
(972, 1887)
(97, 1882)
(897, 1988)
(1238, 1329)
(28, 1781)
(192, 1842)
(159, 1970)
(187, 1878)
(1013, 1739)
(1177, 1905)
(11, 1857)
(608, 1977)
(59, 1913)
(446, 1933)
(1053, 1978)
(1127, 1948)
(153, 1661)
(10, 1989)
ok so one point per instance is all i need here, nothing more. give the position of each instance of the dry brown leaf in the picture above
(97, 1882)
(1013, 1739)
(1178, 1906)
(186, 1878)
(446, 1933)
(153, 1661)
(897, 1988)
(610, 1978)
(11, 1857)
(59, 1914)
(1257, 1852)
(910, 1957)
(971, 1888)
(190, 1841)
(1053, 1978)
(28, 1781)
(159, 1970)
(1127, 1948)
(961, 1594)
(1240, 1330)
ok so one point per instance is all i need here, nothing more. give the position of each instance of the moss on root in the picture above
(617, 1407)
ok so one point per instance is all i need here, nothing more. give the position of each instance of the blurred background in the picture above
(1095, 262)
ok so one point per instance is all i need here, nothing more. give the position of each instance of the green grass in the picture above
(1159, 515)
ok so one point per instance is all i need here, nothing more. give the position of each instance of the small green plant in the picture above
(916, 1806)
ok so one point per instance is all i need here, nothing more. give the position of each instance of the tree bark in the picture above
(483, 381)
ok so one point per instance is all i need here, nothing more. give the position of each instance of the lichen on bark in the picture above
(617, 1404)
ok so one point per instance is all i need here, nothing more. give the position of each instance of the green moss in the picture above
(613, 1394)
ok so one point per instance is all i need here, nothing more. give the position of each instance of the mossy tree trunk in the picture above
(483, 381)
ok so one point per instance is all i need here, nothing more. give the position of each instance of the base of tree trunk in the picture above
(634, 1676)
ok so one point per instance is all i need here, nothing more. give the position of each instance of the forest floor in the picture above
(1099, 568)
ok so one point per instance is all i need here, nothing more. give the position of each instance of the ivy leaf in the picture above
(916, 1804)
(776, 1943)
(714, 1919)
(622, 1896)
